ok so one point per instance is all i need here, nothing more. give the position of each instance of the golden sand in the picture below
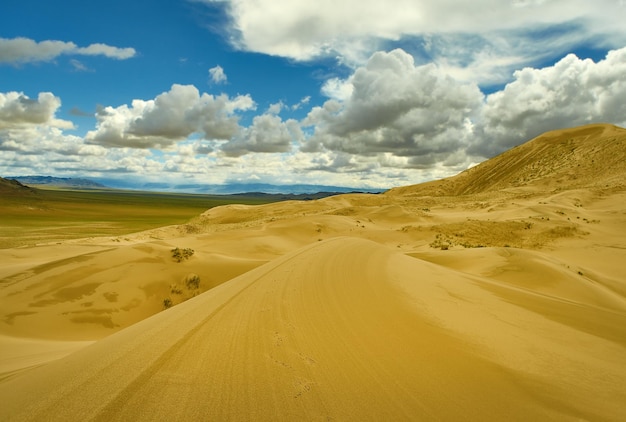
(494, 295)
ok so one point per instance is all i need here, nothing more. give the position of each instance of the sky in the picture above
(356, 93)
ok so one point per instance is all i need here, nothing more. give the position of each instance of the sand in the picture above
(431, 302)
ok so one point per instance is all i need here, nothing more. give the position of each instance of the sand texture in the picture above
(498, 294)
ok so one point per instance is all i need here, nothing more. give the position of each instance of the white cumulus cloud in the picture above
(410, 116)
(571, 92)
(398, 108)
(172, 116)
(18, 110)
(267, 134)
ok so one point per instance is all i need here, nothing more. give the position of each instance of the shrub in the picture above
(192, 281)
(180, 255)
(441, 242)
(188, 287)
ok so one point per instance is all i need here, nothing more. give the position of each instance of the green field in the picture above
(53, 215)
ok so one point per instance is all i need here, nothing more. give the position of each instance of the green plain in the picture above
(54, 215)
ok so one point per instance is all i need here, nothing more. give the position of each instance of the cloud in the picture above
(481, 41)
(25, 50)
(172, 116)
(217, 75)
(390, 122)
(398, 108)
(39, 140)
(304, 101)
(32, 138)
(303, 30)
(107, 51)
(275, 108)
(18, 111)
(571, 92)
(79, 66)
(338, 89)
(267, 134)
(48, 150)
(393, 113)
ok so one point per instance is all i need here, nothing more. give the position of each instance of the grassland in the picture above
(53, 215)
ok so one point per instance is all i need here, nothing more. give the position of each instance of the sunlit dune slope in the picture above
(89, 292)
(345, 329)
(587, 156)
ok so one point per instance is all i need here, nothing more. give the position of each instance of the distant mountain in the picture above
(296, 191)
(299, 189)
(235, 188)
(70, 182)
(11, 187)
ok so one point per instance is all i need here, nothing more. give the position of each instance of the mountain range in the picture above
(198, 188)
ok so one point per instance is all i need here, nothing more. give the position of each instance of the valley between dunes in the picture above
(496, 294)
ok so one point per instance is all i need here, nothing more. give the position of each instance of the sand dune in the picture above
(19, 353)
(345, 329)
(497, 294)
(586, 156)
(90, 295)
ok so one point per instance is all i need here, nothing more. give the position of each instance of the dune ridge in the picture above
(496, 294)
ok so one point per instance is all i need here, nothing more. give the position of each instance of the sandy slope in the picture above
(591, 155)
(345, 329)
(89, 295)
(497, 294)
(19, 353)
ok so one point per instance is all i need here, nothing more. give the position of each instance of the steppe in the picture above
(496, 294)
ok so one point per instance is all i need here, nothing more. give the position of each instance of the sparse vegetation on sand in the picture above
(181, 255)
(192, 281)
(188, 288)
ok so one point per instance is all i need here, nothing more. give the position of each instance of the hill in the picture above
(587, 156)
(61, 182)
(12, 187)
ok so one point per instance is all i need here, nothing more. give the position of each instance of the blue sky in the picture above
(350, 93)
